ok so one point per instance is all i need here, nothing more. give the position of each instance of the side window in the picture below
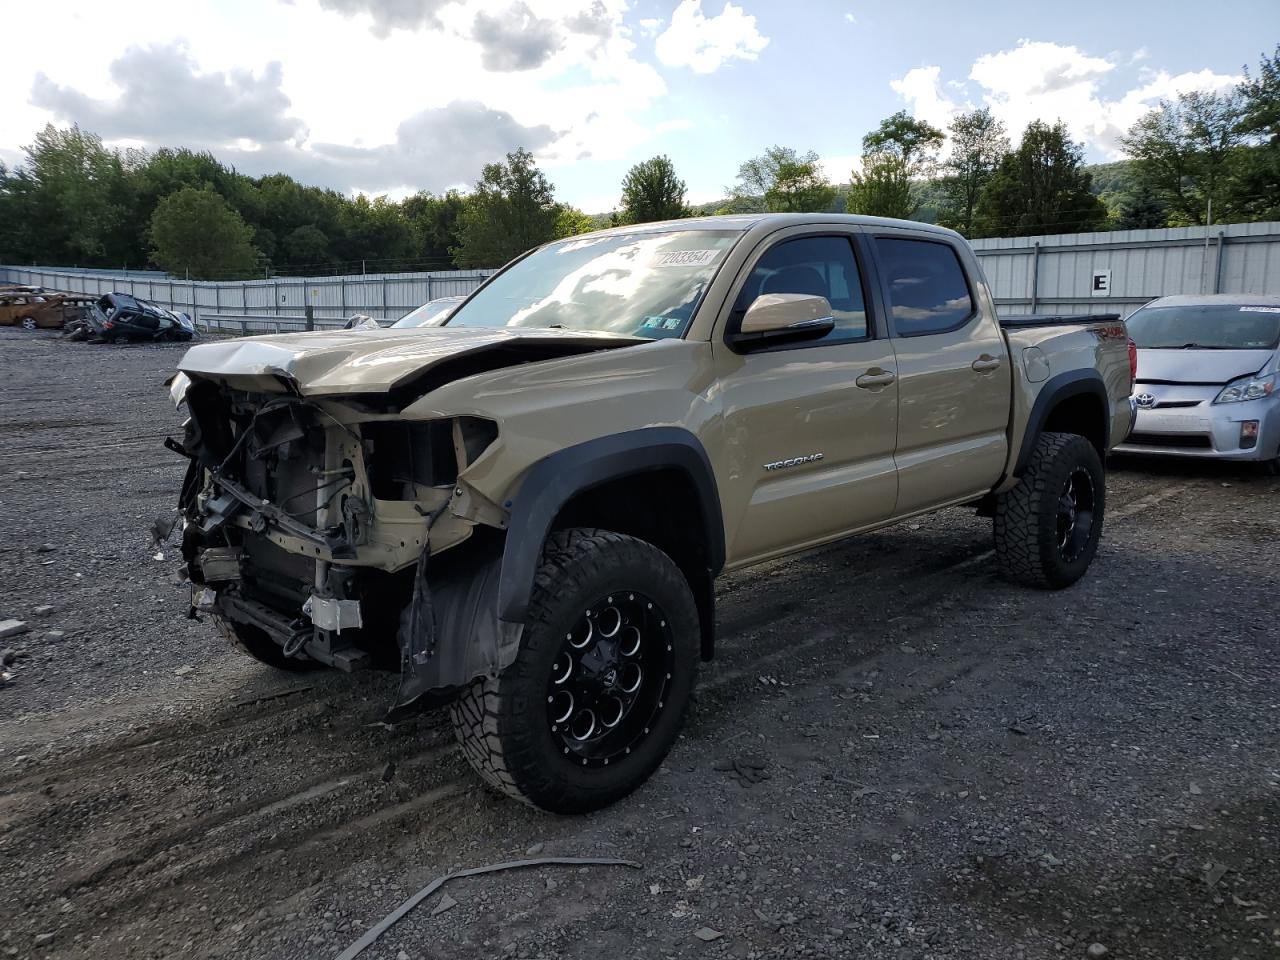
(818, 266)
(927, 288)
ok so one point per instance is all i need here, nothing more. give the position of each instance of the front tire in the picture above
(602, 681)
(1047, 527)
(29, 323)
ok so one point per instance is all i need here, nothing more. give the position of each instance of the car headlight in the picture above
(1247, 388)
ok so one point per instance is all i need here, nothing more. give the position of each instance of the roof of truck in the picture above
(742, 222)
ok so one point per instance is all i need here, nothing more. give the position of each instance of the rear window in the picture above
(1216, 326)
(927, 289)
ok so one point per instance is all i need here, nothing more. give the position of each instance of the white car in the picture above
(1206, 383)
(431, 314)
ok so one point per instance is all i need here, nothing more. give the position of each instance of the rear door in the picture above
(953, 372)
(809, 428)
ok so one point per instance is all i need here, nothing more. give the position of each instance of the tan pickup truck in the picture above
(524, 511)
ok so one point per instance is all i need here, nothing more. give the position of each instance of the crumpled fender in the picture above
(450, 633)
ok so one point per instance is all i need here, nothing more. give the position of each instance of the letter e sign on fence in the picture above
(1101, 285)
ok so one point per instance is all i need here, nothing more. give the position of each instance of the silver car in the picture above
(1207, 371)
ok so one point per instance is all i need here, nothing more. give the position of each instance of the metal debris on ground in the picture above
(395, 915)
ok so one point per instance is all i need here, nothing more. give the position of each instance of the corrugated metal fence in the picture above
(1066, 273)
(1121, 270)
(384, 296)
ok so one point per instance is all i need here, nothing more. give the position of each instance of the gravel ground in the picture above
(955, 767)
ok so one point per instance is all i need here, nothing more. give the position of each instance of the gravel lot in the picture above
(957, 767)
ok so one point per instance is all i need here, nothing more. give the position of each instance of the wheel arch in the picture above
(1072, 402)
(654, 483)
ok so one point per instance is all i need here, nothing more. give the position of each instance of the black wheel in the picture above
(28, 323)
(1047, 527)
(255, 643)
(600, 686)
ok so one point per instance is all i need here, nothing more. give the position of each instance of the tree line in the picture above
(1204, 157)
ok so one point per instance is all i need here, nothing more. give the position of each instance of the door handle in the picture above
(986, 363)
(876, 377)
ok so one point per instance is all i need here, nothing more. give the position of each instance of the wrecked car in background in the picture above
(524, 510)
(120, 316)
(34, 310)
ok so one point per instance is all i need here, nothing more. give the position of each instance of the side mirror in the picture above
(777, 318)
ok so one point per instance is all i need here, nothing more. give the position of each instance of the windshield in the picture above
(430, 314)
(1217, 326)
(639, 284)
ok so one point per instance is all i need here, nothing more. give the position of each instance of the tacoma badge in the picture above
(793, 462)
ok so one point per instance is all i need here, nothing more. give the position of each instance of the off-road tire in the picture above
(501, 721)
(1026, 532)
(252, 642)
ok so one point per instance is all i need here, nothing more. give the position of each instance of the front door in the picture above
(809, 427)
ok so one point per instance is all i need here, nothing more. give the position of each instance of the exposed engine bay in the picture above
(309, 524)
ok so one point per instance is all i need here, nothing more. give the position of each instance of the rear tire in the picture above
(612, 642)
(254, 643)
(28, 323)
(1047, 527)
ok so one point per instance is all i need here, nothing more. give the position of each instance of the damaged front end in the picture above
(314, 528)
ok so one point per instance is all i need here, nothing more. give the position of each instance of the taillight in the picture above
(1133, 364)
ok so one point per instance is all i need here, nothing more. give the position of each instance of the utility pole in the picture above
(1204, 259)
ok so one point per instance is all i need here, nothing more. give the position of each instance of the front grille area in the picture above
(1183, 441)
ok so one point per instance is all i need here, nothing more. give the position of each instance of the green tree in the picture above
(914, 141)
(652, 191)
(1188, 152)
(978, 142)
(897, 156)
(435, 222)
(194, 232)
(1142, 210)
(799, 187)
(756, 177)
(511, 210)
(1041, 187)
(1255, 191)
(306, 245)
(73, 194)
(882, 188)
(570, 221)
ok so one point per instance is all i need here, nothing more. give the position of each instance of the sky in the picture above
(394, 96)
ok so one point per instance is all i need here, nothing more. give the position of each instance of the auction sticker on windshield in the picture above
(685, 258)
(1260, 309)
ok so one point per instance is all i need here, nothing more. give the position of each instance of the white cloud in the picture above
(163, 89)
(838, 168)
(928, 102)
(850, 18)
(1039, 80)
(704, 44)
(649, 26)
(515, 38)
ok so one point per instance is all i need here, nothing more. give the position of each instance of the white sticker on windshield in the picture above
(1260, 309)
(685, 258)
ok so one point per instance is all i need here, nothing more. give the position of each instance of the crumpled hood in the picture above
(375, 361)
(1199, 366)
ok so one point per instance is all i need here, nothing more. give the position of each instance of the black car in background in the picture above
(119, 316)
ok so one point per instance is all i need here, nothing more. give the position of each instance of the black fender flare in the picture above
(553, 481)
(1064, 386)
